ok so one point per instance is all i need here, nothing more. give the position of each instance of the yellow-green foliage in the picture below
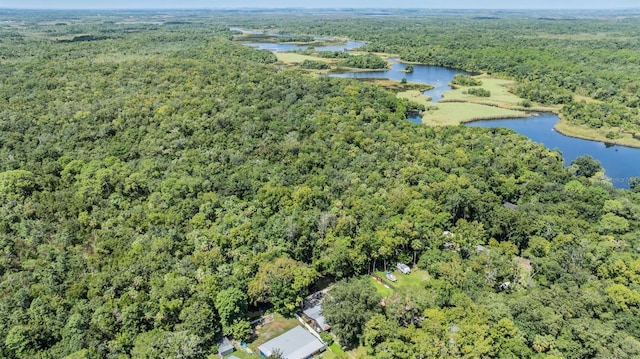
(416, 96)
(294, 58)
(455, 113)
(500, 95)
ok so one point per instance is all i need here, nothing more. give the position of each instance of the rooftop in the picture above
(225, 345)
(297, 343)
(315, 313)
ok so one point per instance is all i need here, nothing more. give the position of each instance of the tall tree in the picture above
(282, 282)
(587, 165)
(348, 308)
(232, 308)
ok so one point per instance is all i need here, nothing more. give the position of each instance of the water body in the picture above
(415, 118)
(436, 76)
(282, 47)
(620, 162)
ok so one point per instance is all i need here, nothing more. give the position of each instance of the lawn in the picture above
(407, 281)
(240, 353)
(416, 278)
(334, 351)
(381, 289)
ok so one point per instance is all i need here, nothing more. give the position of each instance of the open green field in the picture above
(416, 96)
(416, 278)
(455, 113)
(456, 107)
(499, 88)
(500, 95)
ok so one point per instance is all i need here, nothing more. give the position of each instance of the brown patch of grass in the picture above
(273, 329)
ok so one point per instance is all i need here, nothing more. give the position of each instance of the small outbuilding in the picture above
(314, 314)
(225, 347)
(297, 343)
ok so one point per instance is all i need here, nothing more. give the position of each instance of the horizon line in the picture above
(314, 8)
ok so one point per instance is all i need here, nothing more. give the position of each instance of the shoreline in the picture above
(561, 126)
(569, 130)
(565, 129)
(476, 119)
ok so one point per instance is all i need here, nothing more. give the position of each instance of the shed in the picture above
(225, 347)
(315, 315)
(297, 343)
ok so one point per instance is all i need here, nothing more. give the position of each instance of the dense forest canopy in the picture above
(586, 60)
(158, 182)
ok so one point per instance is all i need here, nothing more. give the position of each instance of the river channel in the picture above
(620, 162)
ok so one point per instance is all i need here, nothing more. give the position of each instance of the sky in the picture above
(217, 4)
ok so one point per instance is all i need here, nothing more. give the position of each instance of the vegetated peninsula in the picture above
(163, 187)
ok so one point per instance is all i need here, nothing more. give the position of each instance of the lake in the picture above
(282, 47)
(619, 162)
(436, 76)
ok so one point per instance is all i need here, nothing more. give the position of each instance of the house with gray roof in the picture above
(297, 343)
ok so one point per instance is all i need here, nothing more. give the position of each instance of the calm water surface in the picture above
(276, 47)
(436, 76)
(620, 162)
